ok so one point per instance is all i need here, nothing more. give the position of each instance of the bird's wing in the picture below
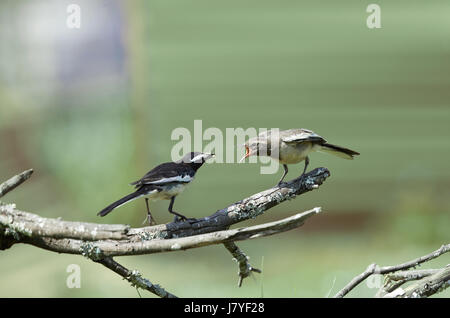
(300, 135)
(166, 173)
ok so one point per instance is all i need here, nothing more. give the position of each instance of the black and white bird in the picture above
(292, 146)
(164, 182)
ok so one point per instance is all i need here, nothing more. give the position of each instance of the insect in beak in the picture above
(247, 154)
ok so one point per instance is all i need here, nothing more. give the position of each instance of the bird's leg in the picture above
(306, 165)
(149, 217)
(284, 174)
(178, 216)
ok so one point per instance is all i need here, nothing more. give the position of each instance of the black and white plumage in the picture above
(164, 182)
(292, 146)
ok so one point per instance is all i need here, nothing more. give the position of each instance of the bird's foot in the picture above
(150, 220)
(191, 220)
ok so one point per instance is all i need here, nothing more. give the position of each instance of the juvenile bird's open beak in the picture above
(247, 154)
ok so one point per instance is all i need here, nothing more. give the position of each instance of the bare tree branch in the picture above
(357, 280)
(425, 287)
(32, 225)
(248, 208)
(245, 269)
(101, 242)
(15, 181)
(138, 244)
(29, 224)
(394, 280)
(374, 269)
(415, 262)
(135, 278)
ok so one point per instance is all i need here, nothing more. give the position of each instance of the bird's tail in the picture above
(125, 199)
(338, 151)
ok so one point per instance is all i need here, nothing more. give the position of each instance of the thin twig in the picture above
(357, 280)
(245, 269)
(415, 262)
(135, 278)
(15, 181)
(332, 286)
(37, 226)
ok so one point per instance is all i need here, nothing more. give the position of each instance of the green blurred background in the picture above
(92, 109)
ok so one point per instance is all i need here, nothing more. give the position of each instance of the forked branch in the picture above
(430, 281)
(101, 242)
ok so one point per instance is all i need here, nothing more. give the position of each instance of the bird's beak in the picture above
(207, 156)
(203, 156)
(247, 154)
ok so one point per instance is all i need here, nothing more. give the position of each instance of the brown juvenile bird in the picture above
(292, 146)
